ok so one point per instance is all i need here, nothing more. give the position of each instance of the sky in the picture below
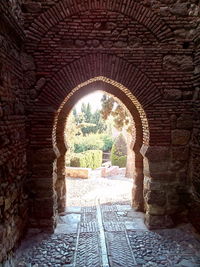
(94, 99)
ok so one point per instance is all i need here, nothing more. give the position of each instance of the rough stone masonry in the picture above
(146, 53)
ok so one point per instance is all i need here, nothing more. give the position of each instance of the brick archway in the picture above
(63, 9)
(155, 144)
(141, 136)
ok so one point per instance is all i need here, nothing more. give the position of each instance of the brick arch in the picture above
(95, 65)
(65, 8)
(141, 133)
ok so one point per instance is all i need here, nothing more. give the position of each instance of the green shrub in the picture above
(93, 142)
(88, 159)
(78, 160)
(108, 142)
(119, 152)
(89, 142)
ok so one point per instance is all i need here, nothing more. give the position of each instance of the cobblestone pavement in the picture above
(109, 233)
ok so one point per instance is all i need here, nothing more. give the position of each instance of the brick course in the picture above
(150, 52)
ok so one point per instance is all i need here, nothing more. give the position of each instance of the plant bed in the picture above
(76, 172)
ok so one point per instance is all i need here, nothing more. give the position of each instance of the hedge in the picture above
(89, 142)
(88, 159)
(119, 152)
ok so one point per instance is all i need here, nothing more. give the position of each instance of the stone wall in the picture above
(145, 45)
(149, 47)
(13, 142)
(195, 144)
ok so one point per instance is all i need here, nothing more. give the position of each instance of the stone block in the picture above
(176, 166)
(150, 184)
(41, 184)
(19, 108)
(166, 176)
(155, 153)
(158, 221)
(185, 121)
(120, 44)
(178, 63)
(154, 209)
(40, 83)
(8, 204)
(44, 208)
(180, 137)
(80, 43)
(187, 95)
(1, 201)
(42, 156)
(156, 197)
(180, 9)
(180, 153)
(76, 172)
(29, 78)
(27, 62)
(111, 25)
(109, 171)
(151, 168)
(172, 94)
(32, 7)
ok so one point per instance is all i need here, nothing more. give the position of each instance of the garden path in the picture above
(100, 229)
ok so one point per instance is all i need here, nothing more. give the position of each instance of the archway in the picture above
(155, 142)
(141, 136)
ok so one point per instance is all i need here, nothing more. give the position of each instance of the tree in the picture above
(122, 119)
(89, 122)
(123, 122)
(119, 152)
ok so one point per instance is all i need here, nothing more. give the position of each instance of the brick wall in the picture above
(195, 144)
(149, 47)
(13, 142)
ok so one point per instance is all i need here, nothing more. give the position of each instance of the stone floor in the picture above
(100, 229)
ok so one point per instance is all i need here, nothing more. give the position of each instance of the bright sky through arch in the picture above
(94, 99)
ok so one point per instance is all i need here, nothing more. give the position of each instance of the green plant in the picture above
(108, 142)
(78, 160)
(89, 142)
(88, 159)
(119, 152)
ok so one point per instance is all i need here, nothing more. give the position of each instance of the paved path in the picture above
(107, 234)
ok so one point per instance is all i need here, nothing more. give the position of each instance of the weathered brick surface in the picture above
(13, 198)
(146, 47)
(195, 144)
(149, 49)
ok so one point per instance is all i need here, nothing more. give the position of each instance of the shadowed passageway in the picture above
(145, 54)
(99, 228)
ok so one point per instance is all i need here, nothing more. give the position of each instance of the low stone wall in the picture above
(75, 172)
(113, 170)
(122, 171)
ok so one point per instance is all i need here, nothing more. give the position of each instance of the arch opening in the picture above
(141, 135)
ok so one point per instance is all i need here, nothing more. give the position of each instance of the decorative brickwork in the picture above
(13, 142)
(139, 52)
(146, 53)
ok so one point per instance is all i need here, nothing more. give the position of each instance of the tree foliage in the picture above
(93, 141)
(110, 107)
(89, 122)
(119, 152)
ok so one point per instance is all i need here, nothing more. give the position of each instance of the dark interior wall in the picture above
(145, 45)
(122, 40)
(195, 144)
(13, 200)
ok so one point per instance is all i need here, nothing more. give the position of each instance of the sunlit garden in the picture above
(98, 134)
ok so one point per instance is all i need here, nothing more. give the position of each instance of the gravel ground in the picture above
(85, 192)
(76, 241)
